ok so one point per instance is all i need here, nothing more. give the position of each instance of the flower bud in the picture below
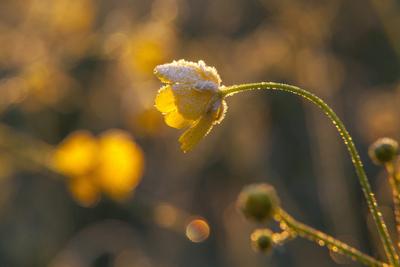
(258, 202)
(261, 240)
(383, 150)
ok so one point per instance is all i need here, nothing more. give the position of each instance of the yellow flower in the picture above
(190, 99)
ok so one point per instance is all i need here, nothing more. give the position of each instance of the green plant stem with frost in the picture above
(390, 251)
(290, 224)
(395, 185)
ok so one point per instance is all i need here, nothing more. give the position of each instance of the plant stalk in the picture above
(395, 186)
(323, 239)
(390, 251)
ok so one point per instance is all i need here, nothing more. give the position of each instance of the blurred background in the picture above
(91, 176)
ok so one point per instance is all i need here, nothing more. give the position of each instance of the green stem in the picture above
(366, 187)
(395, 185)
(323, 239)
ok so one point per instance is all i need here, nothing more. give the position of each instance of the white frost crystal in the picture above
(197, 75)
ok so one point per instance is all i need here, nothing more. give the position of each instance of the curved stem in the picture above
(366, 187)
(323, 239)
(395, 185)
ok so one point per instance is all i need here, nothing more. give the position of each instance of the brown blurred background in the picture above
(73, 65)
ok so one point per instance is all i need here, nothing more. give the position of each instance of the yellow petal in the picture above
(191, 103)
(194, 134)
(176, 120)
(219, 115)
(165, 101)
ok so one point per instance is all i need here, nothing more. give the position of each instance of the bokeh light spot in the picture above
(197, 230)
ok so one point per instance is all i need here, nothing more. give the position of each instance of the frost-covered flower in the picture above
(190, 99)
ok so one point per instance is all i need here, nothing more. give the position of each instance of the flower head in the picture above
(190, 99)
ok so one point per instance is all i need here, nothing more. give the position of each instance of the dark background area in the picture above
(69, 65)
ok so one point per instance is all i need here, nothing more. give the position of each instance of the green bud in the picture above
(258, 202)
(383, 150)
(261, 240)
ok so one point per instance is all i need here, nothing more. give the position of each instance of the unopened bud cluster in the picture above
(261, 240)
(258, 202)
(383, 150)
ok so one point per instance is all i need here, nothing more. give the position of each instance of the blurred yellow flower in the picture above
(144, 53)
(72, 16)
(190, 99)
(138, 51)
(84, 190)
(111, 164)
(46, 83)
(63, 16)
(76, 155)
(120, 164)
